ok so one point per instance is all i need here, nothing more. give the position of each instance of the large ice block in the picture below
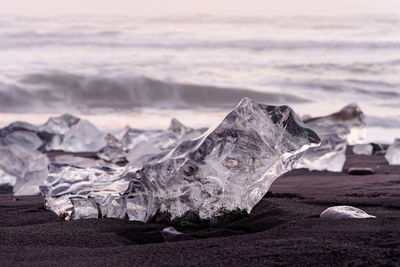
(23, 168)
(230, 167)
(393, 153)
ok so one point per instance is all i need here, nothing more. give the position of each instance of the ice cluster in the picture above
(346, 127)
(229, 167)
(393, 153)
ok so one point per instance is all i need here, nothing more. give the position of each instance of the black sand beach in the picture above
(284, 228)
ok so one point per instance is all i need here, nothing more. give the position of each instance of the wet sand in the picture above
(283, 229)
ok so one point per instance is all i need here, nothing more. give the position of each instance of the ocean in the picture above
(143, 71)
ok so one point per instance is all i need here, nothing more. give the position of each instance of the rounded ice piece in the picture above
(393, 153)
(344, 212)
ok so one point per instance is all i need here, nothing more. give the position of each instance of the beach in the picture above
(284, 228)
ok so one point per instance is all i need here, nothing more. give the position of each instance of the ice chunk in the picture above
(336, 131)
(82, 137)
(23, 138)
(330, 155)
(84, 208)
(27, 167)
(348, 123)
(141, 153)
(364, 149)
(114, 151)
(59, 125)
(170, 234)
(393, 153)
(69, 188)
(344, 212)
(229, 167)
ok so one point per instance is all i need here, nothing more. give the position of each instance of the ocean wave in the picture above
(116, 39)
(63, 91)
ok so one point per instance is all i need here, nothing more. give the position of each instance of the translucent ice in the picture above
(393, 153)
(81, 137)
(114, 151)
(26, 139)
(59, 125)
(229, 167)
(336, 131)
(364, 149)
(344, 212)
(160, 139)
(27, 168)
(73, 192)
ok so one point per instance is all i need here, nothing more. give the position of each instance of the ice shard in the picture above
(363, 149)
(344, 212)
(393, 153)
(114, 151)
(81, 137)
(59, 125)
(230, 167)
(23, 168)
(74, 193)
(336, 131)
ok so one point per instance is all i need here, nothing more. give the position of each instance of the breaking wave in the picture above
(63, 91)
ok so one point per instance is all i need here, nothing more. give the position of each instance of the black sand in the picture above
(283, 229)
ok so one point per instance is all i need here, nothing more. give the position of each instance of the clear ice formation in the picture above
(23, 168)
(80, 137)
(77, 193)
(344, 212)
(230, 167)
(21, 133)
(336, 131)
(363, 149)
(393, 153)
(114, 151)
(59, 125)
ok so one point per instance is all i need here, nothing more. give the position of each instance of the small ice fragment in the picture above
(393, 153)
(336, 131)
(364, 149)
(29, 167)
(59, 125)
(84, 208)
(114, 151)
(82, 137)
(229, 167)
(344, 212)
(170, 234)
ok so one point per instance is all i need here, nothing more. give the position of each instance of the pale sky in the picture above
(190, 7)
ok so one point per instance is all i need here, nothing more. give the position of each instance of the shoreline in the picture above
(284, 228)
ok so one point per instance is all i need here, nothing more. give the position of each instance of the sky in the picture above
(190, 7)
